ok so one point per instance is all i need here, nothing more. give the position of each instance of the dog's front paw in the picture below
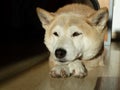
(77, 69)
(60, 71)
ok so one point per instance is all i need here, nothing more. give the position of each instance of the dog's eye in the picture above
(56, 34)
(76, 34)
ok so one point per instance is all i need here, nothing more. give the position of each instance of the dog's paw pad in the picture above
(53, 74)
(80, 72)
(60, 71)
(80, 75)
(63, 73)
(77, 69)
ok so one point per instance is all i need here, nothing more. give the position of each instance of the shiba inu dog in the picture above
(74, 35)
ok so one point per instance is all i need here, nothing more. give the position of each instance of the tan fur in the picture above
(93, 24)
(76, 8)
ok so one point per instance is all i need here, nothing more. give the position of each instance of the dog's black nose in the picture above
(60, 53)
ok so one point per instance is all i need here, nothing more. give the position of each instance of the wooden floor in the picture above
(101, 78)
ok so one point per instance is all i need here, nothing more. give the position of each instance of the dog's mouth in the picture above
(62, 60)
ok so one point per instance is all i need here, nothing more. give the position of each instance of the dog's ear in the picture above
(99, 19)
(44, 16)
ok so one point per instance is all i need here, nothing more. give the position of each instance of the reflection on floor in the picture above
(37, 78)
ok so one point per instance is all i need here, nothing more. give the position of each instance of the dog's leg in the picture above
(77, 69)
(60, 71)
(57, 69)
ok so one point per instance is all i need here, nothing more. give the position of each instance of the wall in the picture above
(115, 16)
(116, 19)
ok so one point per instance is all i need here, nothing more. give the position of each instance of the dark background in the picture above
(21, 31)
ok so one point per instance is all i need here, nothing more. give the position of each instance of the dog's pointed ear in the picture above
(99, 19)
(44, 16)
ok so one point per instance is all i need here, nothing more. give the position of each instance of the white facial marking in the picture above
(74, 42)
(64, 39)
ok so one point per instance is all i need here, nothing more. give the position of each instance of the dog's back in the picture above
(76, 8)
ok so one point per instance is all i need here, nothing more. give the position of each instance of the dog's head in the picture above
(69, 36)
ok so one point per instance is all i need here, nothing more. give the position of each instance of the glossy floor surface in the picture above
(37, 77)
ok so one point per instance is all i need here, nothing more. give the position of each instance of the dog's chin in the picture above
(61, 60)
(64, 61)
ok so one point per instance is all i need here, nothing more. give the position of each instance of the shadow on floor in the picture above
(20, 45)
